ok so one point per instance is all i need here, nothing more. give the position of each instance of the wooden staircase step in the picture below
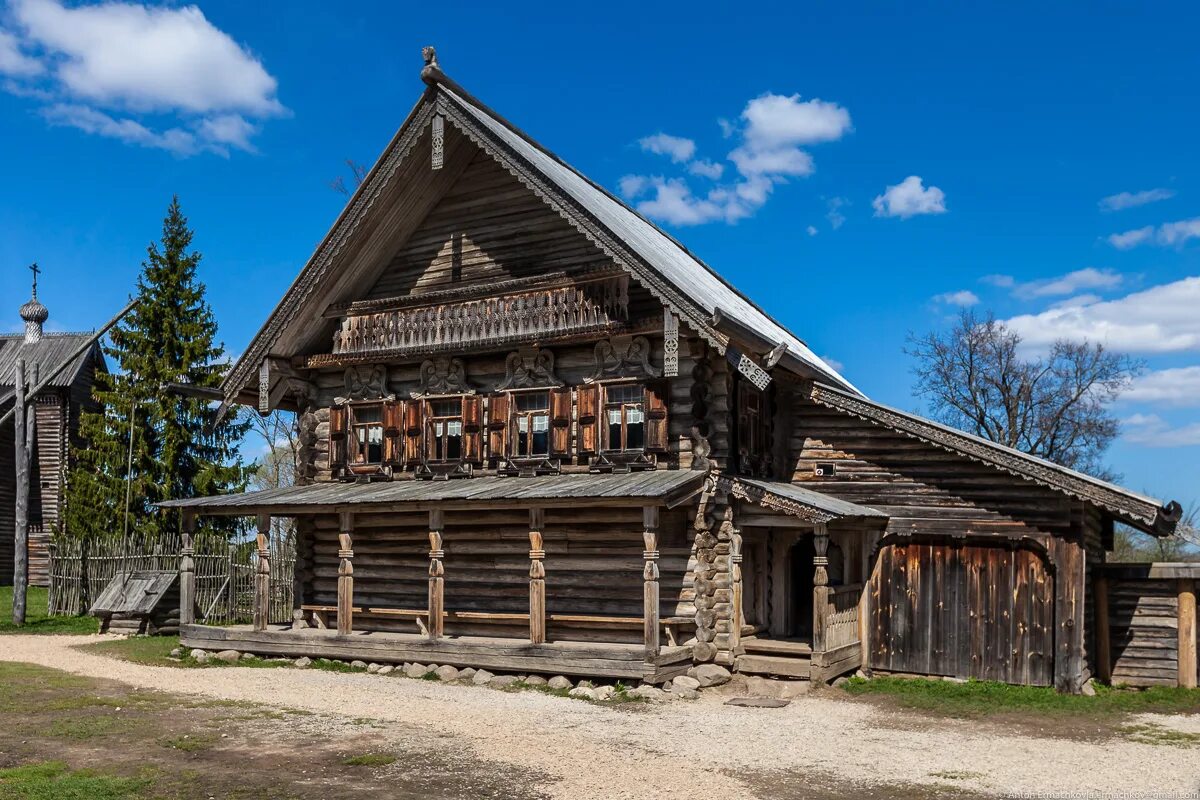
(774, 665)
(779, 647)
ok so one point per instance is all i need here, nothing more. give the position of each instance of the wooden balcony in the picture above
(412, 325)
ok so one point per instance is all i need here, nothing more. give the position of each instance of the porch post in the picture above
(436, 573)
(262, 576)
(187, 570)
(820, 585)
(735, 569)
(537, 577)
(650, 578)
(1187, 632)
(345, 605)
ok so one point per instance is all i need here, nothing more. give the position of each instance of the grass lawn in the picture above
(982, 698)
(37, 620)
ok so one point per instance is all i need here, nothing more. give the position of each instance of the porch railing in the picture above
(837, 645)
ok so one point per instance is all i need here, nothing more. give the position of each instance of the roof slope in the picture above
(798, 501)
(47, 353)
(1144, 513)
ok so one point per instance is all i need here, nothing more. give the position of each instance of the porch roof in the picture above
(788, 498)
(656, 488)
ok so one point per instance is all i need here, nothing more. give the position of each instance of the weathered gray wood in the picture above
(345, 579)
(537, 577)
(650, 576)
(437, 580)
(23, 424)
(262, 575)
(1103, 629)
(187, 569)
(1187, 632)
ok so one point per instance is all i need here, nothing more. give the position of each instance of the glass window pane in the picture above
(541, 422)
(533, 401)
(634, 414)
(522, 444)
(635, 434)
(454, 446)
(522, 424)
(541, 442)
(363, 414)
(447, 408)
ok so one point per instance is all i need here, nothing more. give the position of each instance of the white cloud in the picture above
(910, 198)
(706, 169)
(1151, 430)
(835, 215)
(676, 148)
(1160, 319)
(773, 128)
(15, 62)
(1177, 386)
(1070, 283)
(834, 363)
(963, 297)
(1003, 281)
(1124, 200)
(105, 65)
(811, 230)
(1166, 235)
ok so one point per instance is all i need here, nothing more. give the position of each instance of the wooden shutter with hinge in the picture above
(498, 411)
(337, 441)
(472, 428)
(414, 430)
(560, 422)
(656, 417)
(588, 412)
(393, 432)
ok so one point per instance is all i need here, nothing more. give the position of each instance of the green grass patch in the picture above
(1157, 734)
(189, 743)
(981, 698)
(370, 760)
(54, 780)
(154, 650)
(37, 617)
(91, 727)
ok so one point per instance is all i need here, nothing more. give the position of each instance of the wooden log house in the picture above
(539, 435)
(56, 409)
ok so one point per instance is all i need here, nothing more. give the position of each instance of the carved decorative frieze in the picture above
(592, 307)
(670, 344)
(439, 142)
(624, 357)
(443, 375)
(366, 383)
(529, 367)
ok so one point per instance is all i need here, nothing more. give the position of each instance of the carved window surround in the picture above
(600, 305)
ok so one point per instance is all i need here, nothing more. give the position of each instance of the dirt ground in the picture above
(308, 734)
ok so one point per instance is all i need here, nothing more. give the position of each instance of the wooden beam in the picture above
(437, 579)
(1103, 630)
(537, 577)
(345, 595)
(23, 436)
(187, 569)
(262, 575)
(650, 592)
(1187, 632)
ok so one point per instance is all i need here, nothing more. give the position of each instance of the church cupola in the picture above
(34, 313)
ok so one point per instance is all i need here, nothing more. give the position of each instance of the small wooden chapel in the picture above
(539, 435)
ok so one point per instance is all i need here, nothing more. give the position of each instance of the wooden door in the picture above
(966, 611)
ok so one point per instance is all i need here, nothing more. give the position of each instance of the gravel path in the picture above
(675, 750)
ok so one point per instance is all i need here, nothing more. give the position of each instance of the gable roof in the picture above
(1142, 512)
(686, 285)
(47, 353)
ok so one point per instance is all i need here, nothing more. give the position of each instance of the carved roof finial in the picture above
(429, 53)
(431, 72)
(33, 312)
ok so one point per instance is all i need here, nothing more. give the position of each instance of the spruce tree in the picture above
(179, 450)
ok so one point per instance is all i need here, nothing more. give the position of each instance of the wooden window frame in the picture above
(515, 416)
(431, 419)
(355, 455)
(625, 406)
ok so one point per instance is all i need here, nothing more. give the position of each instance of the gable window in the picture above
(625, 417)
(445, 425)
(366, 434)
(531, 424)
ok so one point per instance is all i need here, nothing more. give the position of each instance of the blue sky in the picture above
(879, 166)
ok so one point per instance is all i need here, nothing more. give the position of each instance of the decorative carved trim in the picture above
(670, 344)
(443, 375)
(438, 154)
(529, 368)
(623, 357)
(773, 502)
(1023, 466)
(366, 383)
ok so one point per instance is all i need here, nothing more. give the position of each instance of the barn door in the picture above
(965, 611)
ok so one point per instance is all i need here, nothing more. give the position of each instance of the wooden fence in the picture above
(1146, 631)
(80, 569)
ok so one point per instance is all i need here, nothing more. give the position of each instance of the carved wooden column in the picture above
(650, 581)
(820, 585)
(735, 578)
(1187, 632)
(437, 580)
(345, 605)
(262, 576)
(537, 577)
(187, 570)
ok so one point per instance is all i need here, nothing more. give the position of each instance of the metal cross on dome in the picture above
(35, 269)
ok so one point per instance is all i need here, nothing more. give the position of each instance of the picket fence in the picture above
(80, 569)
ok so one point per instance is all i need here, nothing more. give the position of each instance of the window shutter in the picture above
(656, 417)
(414, 429)
(588, 409)
(498, 408)
(472, 428)
(560, 422)
(337, 441)
(393, 432)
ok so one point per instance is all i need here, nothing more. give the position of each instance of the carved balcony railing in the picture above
(599, 305)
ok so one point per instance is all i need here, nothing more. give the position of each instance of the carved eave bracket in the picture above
(623, 357)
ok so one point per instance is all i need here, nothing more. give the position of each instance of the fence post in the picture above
(1186, 588)
(187, 571)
